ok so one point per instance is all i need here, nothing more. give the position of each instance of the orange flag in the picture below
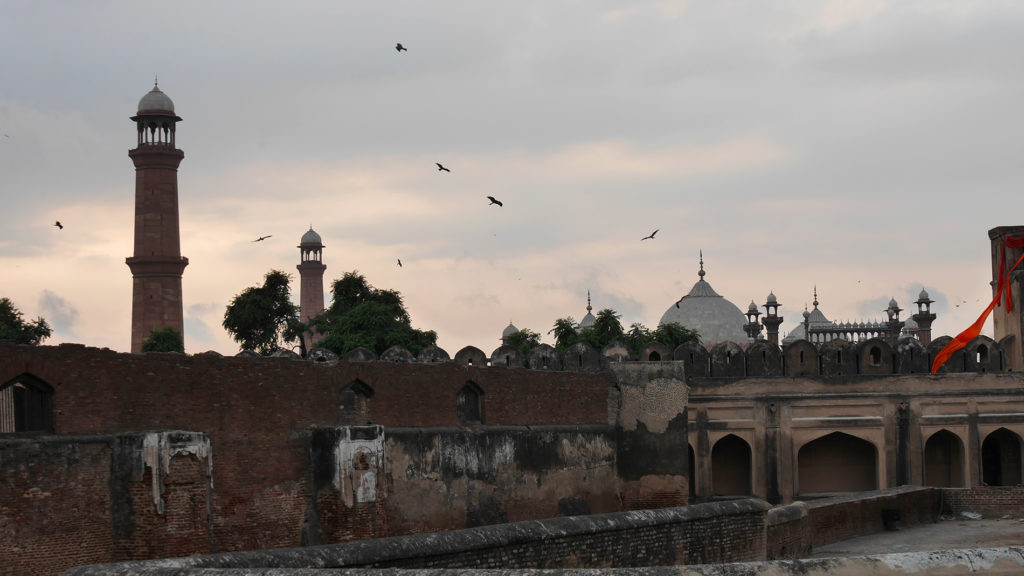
(972, 332)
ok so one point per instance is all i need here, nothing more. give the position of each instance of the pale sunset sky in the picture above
(862, 147)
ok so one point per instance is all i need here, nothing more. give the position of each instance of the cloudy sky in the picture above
(863, 147)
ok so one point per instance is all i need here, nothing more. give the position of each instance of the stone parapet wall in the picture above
(845, 517)
(706, 533)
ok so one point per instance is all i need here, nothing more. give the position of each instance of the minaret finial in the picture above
(588, 302)
(155, 82)
(815, 296)
(701, 273)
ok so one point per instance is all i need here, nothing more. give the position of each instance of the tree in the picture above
(673, 334)
(374, 318)
(565, 332)
(524, 340)
(14, 328)
(258, 317)
(165, 339)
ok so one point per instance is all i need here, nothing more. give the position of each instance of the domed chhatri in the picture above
(704, 310)
(508, 331)
(156, 101)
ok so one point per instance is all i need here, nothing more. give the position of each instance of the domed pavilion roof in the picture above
(711, 315)
(154, 100)
(310, 237)
(589, 319)
(508, 331)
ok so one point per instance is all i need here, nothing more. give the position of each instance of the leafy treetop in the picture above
(14, 328)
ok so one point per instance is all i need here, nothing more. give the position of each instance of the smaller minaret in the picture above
(772, 320)
(924, 317)
(752, 327)
(311, 281)
(895, 324)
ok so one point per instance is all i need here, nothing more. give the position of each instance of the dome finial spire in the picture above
(588, 302)
(701, 273)
(156, 82)
(815, 296)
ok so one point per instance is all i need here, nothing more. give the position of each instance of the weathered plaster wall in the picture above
(70, 500)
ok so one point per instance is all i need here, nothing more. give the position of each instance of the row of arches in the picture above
(840, 462)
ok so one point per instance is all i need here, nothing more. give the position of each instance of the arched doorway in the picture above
(1000, 459)
(26, 405)
(730, 467)
(837, 462)
(944, 460)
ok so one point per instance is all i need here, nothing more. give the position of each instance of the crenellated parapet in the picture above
(836, 358)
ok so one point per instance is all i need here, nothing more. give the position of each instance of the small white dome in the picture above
(508, 331)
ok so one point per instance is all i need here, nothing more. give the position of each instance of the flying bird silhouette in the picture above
(441, 168)
(399, 47)
(262, 238)
(494, 201)
(651, 237)
(58, 224)
(399, 262)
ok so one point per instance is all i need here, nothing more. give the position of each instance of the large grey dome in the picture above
(156, 100)
(712, 316)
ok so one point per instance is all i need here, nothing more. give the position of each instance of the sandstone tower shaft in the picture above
(157, 263)
(311, 277)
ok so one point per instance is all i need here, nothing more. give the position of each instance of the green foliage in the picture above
(258, 317)
(565, 333)
(607, 329)
(524, 340)
(374, 318)
(165, 339)
(14, 328)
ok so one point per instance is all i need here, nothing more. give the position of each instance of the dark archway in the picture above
(26, 405)
(944, 460)
(837, 462)
(730, 467)
(1000, 459)
(354, 403)
(469, 405)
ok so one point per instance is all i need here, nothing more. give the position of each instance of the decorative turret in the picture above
(895, 324)
(589, 319)
(752, 327)
(771, 319)
(157, 263)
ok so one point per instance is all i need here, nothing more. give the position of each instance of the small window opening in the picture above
(468, 408)
(875, 356)
(654, 357)
(982, 354)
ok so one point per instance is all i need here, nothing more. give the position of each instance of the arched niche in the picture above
(26, 405)
(731, 467)
(911, 357)
(581, 357)
(944, 460)
(469, 408)
(354, 403)
(1001, 458)
(655, 352)
(837, 462)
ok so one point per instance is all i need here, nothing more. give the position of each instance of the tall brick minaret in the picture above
(311, 280)
(157, 263)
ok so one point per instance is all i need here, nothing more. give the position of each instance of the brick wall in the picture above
(989, 501)
(72, 500)
(706, 533)
(257, 413)
(844, 517)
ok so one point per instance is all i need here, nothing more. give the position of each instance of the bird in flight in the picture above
(399, 262)
(494, 201)
(651, 237)
(58, 224)
(399, 47)
(441, 168)
(262, 238)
